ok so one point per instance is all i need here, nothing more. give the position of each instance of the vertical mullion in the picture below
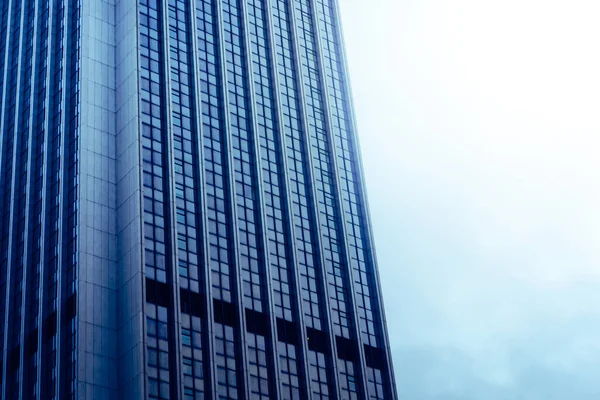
(210, 389)
(301, 324)
(258, 181)
(337, 193)
(62, 193)
(378, 299)
(9, 266)
(43, 221)
(334, 376)
(243, 384)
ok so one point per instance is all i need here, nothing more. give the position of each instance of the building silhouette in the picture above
(183, 206)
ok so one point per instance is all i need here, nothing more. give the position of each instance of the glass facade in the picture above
(183, 204)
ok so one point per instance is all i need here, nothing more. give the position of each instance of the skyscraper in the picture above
(183, 207)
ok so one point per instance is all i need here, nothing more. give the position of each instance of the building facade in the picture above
(183, 207)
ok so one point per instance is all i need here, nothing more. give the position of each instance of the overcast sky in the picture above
(480, 129)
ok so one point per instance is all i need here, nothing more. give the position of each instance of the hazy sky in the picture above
(480, 129)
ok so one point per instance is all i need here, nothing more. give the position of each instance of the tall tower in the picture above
(183, 206)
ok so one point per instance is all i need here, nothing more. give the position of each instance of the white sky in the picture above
(480, 130)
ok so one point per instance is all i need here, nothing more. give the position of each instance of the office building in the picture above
(183, 207)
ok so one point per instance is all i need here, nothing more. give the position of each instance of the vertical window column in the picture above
(257, 364)
(226, 362)
(153, 157)
(45, 121)
(5, 19)
(217, 195)
(33, 304)
(319, 387)
(243, 159)
(192, 358)
(186, 195)
(157, 352)
(157, 246)
(375, 385)
(184, 136)
(289, 376)
(70, 203)
(348, 384)
(49, 385)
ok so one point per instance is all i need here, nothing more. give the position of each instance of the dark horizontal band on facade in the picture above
(258, 323)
